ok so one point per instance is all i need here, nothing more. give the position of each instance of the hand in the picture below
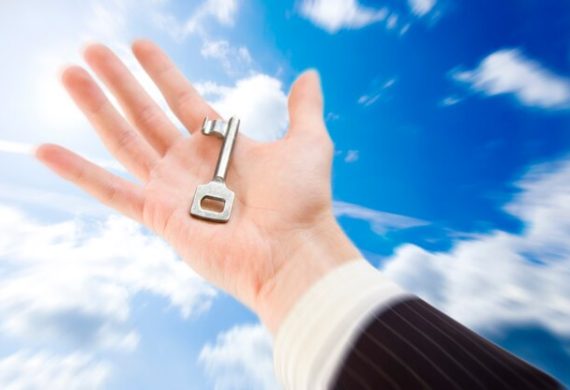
(282, 235)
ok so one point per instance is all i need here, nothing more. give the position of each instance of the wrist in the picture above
(310, 254)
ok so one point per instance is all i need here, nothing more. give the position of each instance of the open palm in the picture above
(282, 188)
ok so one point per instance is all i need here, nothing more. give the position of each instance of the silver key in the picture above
(216, 190)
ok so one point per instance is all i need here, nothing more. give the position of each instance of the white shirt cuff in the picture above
(320, 328)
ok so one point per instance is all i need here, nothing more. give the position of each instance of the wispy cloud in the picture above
(236, 60)
(392, 21)
(25, 370)
(376, 92)
(240, 358)
(221, 12)
(351, 156)
(509, 71)
(380, 221)
(233, 59)
(450, 100)
(367, 100)
(332, 116)
(503, 278)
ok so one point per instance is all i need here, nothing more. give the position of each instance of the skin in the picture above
(282, 236)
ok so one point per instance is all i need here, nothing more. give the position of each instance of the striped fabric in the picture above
(411, 345)
(322, 326)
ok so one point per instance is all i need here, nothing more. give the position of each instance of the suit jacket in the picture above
(411, 345)
(355, 329)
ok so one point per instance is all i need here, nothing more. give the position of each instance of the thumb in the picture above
(306, 105)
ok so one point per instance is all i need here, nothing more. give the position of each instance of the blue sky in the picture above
(451, 124)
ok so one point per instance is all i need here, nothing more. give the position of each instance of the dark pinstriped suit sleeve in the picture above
(411, 345)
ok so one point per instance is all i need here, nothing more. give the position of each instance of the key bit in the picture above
(216, 189)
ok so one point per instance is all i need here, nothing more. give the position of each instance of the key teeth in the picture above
(214, 126)
(207, 126)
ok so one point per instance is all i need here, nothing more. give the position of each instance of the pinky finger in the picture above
(111, 190)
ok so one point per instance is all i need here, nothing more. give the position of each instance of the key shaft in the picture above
(227, 149)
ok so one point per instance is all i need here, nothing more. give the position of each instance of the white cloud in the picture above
(332, 116)
(389, 83)
(503, 278)
(392, 22)
(450, 100)
(108, 19)
(50, 102)
(376, 93)
(334, 15)
(351, 156)
(219, 49)
(29, 149)
(405, 28)
(380, 221)
(258, 100)
(45, 371)
(232, 59)
(84, 277)
(367, 100)
(70, 205)
(241, 358)
(16, 147)
(421, 7)
(222, 11)
(508, 71)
